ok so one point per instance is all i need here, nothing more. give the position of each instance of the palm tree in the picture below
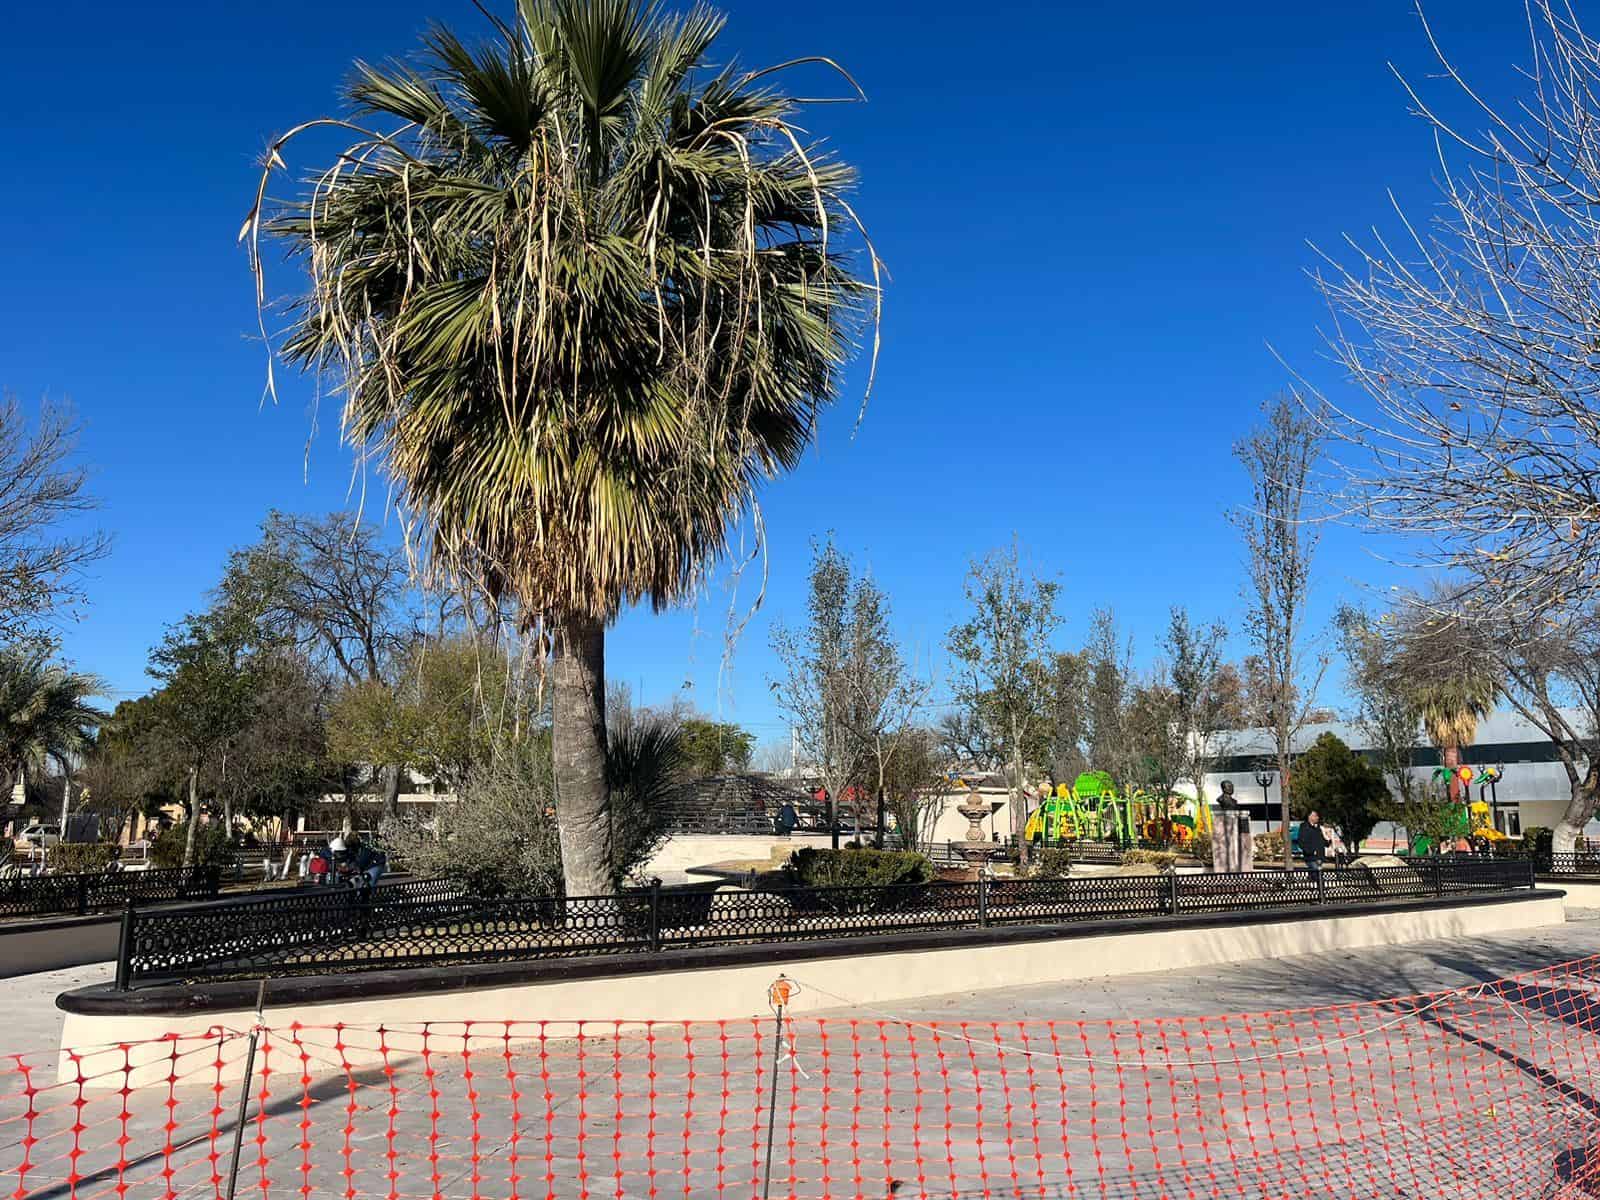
(1451, 705)
(582, 294)
(45, 714)
(1448, 679)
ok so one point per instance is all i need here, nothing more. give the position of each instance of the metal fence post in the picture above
(1532, 881)
(125, 948)
(983, 900)
(83, 895)
(1438, 878)
(1172, 892)
(655, 914)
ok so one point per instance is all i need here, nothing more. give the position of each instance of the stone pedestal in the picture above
(1231, 847)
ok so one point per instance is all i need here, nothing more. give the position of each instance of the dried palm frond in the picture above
(580, 293)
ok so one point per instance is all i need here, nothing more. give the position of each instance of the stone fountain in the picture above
(975, 849)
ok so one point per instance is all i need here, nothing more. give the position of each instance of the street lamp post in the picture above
(1491, 776)
(1264, 782)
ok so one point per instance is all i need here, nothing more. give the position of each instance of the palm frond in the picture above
(582, 295)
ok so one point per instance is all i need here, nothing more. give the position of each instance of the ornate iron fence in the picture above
(100, 891)
(1573, 862)
(1084, 850)
(433, 922)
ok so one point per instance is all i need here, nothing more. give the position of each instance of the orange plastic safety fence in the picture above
(1485, 1091)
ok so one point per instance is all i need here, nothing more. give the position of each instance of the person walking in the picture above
(1313, 847)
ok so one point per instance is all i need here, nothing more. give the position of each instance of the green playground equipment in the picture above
(1091, 808)
(1469, 818)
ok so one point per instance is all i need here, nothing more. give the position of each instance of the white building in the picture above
(1534, 789)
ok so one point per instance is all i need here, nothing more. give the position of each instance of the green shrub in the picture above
(814, 867)
(1539, 839)
(1159, 858)
(85, 857)
(500, 836)
(1052, 862)
(855, 881)
(211, 846)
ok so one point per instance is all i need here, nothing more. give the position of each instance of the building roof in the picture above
(1505, 731)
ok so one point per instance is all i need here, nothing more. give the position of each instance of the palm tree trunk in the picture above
(194, 815)
(1450, 756)
(578, 691)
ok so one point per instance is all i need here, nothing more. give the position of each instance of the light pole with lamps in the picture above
(1490, 777)
(1264, 780)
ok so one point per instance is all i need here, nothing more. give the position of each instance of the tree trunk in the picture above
(66, 804)
(347, 822)
(194, 815)
(1283, 806)
(1019, 810)
(391, 794)
(1585, 799)
(578, 737)
(1450, 756)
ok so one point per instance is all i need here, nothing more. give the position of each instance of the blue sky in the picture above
(1096, 217)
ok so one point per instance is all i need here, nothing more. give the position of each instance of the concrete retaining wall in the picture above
(55, 943)
(738, 991)
(1579, 894)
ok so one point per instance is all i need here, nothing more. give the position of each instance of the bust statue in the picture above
(1226, 801)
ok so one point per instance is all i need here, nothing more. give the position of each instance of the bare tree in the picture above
(773, 757)
(1068, 675)
(965, 739)
(1279, 456)
(41, 568)
(1157, 747)
(886, 693)
(918, 788)
(331, 588)
(999, 682)
(1551, 676)
(816, 690)
(1473, 335)
(1206, 695)
(1386, 710)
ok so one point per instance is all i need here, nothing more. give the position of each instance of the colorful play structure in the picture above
(1467, 818)
(1090, 809)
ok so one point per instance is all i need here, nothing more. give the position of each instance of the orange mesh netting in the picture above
(1483, 1091)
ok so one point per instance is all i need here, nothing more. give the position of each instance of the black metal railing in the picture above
(1572, 862)
(79, 894)
(1085, 850)
(433, 922)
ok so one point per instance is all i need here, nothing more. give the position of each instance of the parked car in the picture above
(38, 836)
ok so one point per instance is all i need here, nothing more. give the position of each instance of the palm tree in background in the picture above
(1451, 706)
(582, 294)
(1448, 678)
(45, 714)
